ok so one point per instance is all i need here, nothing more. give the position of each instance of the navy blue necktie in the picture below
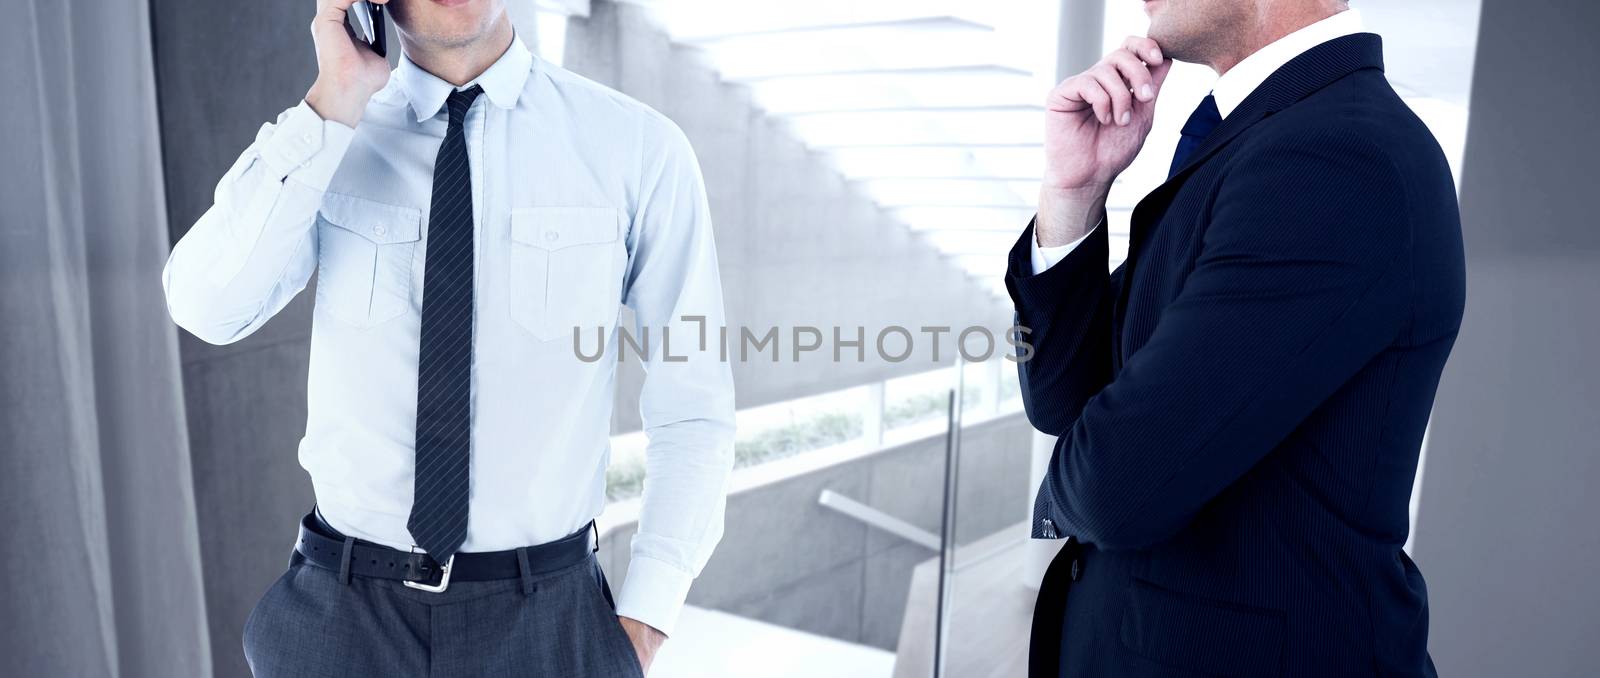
(438, 519)
(1204, 119)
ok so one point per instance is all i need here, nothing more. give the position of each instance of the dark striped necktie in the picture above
(438, 519)
(1204, 119)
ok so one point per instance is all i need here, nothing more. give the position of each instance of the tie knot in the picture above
(1202, 121)
(1205, 118)
(460, 101)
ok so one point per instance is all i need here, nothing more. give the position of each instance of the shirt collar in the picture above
(1232, 88)
(502, 82)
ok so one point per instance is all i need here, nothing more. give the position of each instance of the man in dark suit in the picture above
(1241, 403)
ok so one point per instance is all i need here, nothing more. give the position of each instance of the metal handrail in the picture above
(879, 519)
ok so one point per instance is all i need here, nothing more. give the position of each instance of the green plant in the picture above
(625, 479)
(823, 430)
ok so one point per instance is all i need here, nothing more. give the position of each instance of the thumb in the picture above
(1158, 75)
(1159, 71)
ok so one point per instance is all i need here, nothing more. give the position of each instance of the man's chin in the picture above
(1173, 46)
(451, 36)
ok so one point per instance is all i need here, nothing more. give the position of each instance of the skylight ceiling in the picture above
(934, 106)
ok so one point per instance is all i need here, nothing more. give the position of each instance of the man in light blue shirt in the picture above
(465, 215)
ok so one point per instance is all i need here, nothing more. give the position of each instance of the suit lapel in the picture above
(1299, 78)
(1312, 70)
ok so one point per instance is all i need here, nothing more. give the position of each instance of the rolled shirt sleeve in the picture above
(255, 247)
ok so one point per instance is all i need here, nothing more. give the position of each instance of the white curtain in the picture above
(99, 558)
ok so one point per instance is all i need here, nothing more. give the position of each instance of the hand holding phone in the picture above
(370, 17)
(349, 68)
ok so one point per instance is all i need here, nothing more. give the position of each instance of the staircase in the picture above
(930, 109)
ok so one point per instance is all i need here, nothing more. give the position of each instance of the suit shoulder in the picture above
(1362, 113)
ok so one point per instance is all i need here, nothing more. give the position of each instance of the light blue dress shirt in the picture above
(583, 201)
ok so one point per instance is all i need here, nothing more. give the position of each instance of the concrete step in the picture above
(712, 644)
(990, 611)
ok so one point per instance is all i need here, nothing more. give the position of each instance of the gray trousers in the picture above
(309, 625)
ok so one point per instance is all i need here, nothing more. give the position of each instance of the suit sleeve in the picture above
(1302, 278)
(1045, 257)
(1065, 311)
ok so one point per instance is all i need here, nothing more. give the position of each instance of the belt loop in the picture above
(527, 572)
(344, 560)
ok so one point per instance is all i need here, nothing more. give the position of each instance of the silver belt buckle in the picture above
(444, 577)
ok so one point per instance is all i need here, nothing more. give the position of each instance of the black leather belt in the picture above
(348, 556)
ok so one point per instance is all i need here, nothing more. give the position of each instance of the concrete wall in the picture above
(1507, 534)
(797, 243)
(222, 69)
(787, 560)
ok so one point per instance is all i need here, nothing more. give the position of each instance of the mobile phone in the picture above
(369, 18)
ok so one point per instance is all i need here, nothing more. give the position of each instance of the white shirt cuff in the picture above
(306, 148)
(1045, 257)
(654, 593)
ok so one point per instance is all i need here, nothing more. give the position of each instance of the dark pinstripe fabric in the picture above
(1241, 403)
(310, 625)
(438, 518)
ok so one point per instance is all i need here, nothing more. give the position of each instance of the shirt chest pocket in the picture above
(566, 269)
(365, 250)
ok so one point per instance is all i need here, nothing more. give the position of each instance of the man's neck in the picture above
(1282, 21)
(460, 64)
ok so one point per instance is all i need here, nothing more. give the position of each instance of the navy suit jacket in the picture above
(1241, 403)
